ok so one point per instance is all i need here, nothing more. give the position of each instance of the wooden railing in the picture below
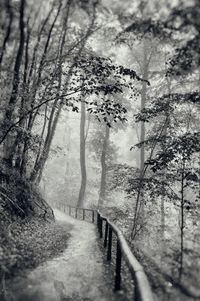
(142, 289)
(76, 211)
(106, 229)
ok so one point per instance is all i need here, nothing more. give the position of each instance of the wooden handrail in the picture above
(142, 289)
(77, 209)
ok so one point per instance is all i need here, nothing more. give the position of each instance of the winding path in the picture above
(78, 274)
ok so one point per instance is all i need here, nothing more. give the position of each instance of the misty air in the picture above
(99, 150)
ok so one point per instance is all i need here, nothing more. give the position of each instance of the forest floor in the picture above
(24, 245)
(77, 274)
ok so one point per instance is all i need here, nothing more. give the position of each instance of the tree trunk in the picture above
(162, 205)
(162, 234)
(9, 14)
(16, 81)
(36, 82)
(41, 136)
(102, 193)
(40, 163)
(81, 196)
(182, 222)
(145, 68)
(18, 144)
(18, 62)
(145, 71)
(48, 146)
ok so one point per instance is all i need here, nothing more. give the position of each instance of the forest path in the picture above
(78, 274)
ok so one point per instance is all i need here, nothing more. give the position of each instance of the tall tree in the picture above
(81, 196)
(9, 17)
(16, 78)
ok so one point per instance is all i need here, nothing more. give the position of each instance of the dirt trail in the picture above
(78, 274)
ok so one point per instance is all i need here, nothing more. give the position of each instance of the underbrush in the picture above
(27, 243)
(29, 234)
(19, 198)
(160, 263)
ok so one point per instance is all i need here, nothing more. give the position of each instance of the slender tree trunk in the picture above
(39, 164)
(145, 70)
(68, 148)
(143, 103)
(18, 144)
(18, 62)
(48, 146)
(162, 204)
(182, 222)
(102, 193)
(16, 80)
(140, 185)
(35, 51)
(162, 221)
(81, 196)
(42, 136)
(9, 13)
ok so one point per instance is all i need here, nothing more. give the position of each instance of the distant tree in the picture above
(104, 152)
(82, 155)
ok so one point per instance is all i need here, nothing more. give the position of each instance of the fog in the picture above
(100, 111)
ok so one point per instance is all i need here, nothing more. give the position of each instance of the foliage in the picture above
(19, 198)
(27, 243)
(185, 19)
(99, 76)
(120, 176)
(179, 148)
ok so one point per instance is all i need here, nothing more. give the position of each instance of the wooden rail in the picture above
(142, 289)
(74, 211)
(141, 284)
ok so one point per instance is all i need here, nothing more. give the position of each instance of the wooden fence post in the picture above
(83, 214)
(106, 235)
(93, 216)
(76, 213)
(136, 297)
(69, 210)
(109, 244)
(101, 227)
(118, 267)
(98, 219)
